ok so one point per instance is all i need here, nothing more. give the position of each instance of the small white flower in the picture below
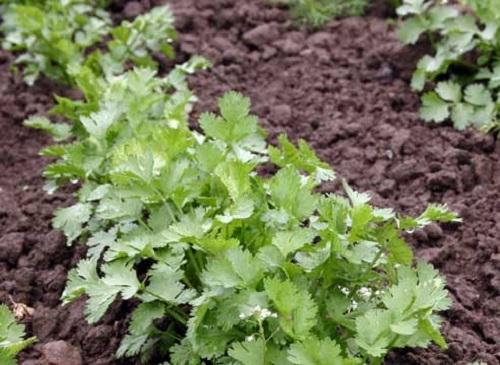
(353, 306)
(345, 290)
(264, 313)
(365, 293)
(250, 338)
(259, 313)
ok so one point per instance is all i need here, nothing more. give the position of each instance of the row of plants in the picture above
(54, 37)
(229, 265)
(63, 39)
(315, 13)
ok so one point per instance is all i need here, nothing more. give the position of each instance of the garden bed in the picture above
(344, 89)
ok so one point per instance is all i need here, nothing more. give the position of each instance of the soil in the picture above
(344, 89)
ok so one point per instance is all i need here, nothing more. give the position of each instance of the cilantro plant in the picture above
(465, 68)
(12, 337)
(53, 37)
(230, 267)
(136, 41)
(318, 12)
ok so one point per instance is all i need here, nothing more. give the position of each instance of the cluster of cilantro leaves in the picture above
(11, 337)
(465, 68)
(317, 12)
(55, 37)
(229, 266)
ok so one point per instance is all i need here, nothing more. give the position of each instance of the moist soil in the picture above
(344, 89)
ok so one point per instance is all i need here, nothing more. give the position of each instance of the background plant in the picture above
(318, 12)
(52, 35)
(12, 337)
(53, 38)
(465, 68)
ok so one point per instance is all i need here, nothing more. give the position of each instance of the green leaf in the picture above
(241, 209)
(449, 91)
(97, 124)
(216, 246)
(166, 284)
(194, 224)
(235, 176)
(296, 309)
(398, 250)
(235, 124)
(236, 268)
(426, 326)
(440, 14)
(462, 114)
(249, 352)
(411, 7)
(309, 260)
(357, 199)
(113, 207)
(11, 337)
(436, 213)
(122, 278)
(373, 332)
(118, 278)
(318, 352)
(411, 29)
(434, 108)
(406, 328)
(418, 79)
(303, 158)
(71, 220)
(477, 94)
(59, 131)
(289, 194)
(290, 241)
(183, 354)
(141, 328)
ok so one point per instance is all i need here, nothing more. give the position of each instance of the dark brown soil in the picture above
(345, 90)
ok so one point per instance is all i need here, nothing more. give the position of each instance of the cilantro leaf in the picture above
(449, 91)
(302, 158)
(71, 220)
(249, 353)
(318, 352)
(296, 309)
(289, 194)
(59, 131)
(235, 123)
(12, 337)
(434, 108)
(140, 328)
(234, 268)
(290, 241)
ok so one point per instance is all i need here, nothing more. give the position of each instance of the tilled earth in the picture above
(345, 90)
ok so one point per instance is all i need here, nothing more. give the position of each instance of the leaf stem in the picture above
(172, 311)
(194, 260)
